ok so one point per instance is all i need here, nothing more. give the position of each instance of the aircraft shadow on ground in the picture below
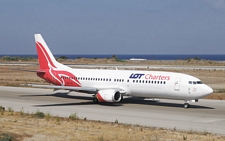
(130, 100)
(134, 100)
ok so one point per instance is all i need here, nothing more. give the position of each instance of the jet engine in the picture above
(109, 95)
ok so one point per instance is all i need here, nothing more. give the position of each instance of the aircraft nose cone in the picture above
(206, 90)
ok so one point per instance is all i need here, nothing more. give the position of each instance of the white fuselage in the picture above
(112, 85)
(148, 84)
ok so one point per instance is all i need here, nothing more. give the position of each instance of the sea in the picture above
(213, 57)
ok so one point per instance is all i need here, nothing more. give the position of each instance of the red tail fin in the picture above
(45, 57)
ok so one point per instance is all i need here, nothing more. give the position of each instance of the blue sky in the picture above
(114, 26)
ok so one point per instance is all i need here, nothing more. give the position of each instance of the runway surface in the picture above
(204, 116)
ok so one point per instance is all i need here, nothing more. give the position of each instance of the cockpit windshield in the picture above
(199, 82)
(194, 82)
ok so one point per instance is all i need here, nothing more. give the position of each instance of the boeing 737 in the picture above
(112, 85)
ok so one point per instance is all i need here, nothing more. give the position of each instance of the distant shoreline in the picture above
(213, 57)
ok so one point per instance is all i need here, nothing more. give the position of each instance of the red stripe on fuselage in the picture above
(64, 76)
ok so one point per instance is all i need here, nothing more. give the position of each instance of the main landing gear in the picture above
(186, 105)
(95, 100)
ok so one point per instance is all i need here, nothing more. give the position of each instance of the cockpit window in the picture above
(199, 82)
(195, 82)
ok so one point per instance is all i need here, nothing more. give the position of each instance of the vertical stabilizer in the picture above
(45, 57)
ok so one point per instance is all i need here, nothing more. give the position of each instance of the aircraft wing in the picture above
(89, 90)
(79, 89)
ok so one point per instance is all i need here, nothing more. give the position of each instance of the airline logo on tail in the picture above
(43, 57)
(53, 73)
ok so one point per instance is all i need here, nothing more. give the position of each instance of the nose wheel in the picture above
(186, 105)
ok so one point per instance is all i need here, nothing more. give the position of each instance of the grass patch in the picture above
(11, 111)
(217, 96)
(6, 137)
(22, 112)
(73, 116)
(39, 114)
(2, 110)
(220, 91)
(48, 116)
(66, 129)
(57, 120)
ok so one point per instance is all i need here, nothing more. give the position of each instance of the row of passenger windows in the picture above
(149, 81)
(115, 80)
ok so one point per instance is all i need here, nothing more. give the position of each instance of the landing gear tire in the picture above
(186, 105)
(95, 100)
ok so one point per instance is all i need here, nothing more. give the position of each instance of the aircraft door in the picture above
(177, 84)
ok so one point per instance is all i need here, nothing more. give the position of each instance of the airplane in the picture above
(113, 85)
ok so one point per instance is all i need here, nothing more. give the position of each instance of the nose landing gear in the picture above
(186, 103)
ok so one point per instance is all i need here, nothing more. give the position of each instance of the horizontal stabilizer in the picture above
(42, 71)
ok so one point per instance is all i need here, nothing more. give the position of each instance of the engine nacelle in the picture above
(109, 95)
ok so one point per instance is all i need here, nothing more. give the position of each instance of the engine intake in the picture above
(109, 95)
